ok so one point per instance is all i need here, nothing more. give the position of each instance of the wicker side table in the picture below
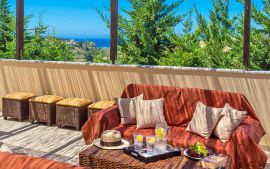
(72, 112)
(43, 109)
(115, 159)
(16, 105)
(100, 105)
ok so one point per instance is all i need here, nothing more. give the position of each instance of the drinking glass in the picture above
(161, 140)
(138, 141)
(150, 144)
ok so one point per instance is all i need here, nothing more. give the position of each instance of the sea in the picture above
(100, 43)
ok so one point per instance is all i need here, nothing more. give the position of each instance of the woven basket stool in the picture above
(100, 105)
(16, 105)
(43, 109)
(72, 112)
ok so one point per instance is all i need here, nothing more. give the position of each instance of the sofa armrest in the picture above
(98, 122)
(245, 139)
(251, 128)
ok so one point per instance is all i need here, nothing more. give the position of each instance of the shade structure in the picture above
(19, 28)
(246, 50)
(114, 27)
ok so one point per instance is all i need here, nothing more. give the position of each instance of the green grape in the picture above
(199, 149)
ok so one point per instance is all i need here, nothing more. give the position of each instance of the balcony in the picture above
(104, 82)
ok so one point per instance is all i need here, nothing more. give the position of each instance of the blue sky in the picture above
(79, 19)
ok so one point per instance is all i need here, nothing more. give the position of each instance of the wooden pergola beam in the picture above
(113, 33)
(246, 52)
(19, 28)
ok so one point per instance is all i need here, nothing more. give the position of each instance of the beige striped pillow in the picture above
(229, 121)
(127, 109)
(204, 120)
(149, 113)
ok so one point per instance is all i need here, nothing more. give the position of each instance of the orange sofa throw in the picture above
(179, 106)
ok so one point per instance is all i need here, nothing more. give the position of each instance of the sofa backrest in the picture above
(212, 98)
(180, 103)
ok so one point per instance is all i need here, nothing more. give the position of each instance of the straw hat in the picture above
(111, 140)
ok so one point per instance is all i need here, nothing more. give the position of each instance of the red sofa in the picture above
(178, 108)
(13, 161)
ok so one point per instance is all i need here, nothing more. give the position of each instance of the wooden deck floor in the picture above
(40, 140)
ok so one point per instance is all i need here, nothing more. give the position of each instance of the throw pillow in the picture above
(149, 113)
(127, 109)
(229, 121)
(204, 120)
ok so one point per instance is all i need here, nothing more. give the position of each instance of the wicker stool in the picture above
(100, 105)
(72, 112)
(43, 109)
(16, 105)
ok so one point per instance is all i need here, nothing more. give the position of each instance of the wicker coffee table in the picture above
(115, 159)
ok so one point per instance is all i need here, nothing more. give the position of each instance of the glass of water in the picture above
(150, 144)
(161, 145)
(138, 141)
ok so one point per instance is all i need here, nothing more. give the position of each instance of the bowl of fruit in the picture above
(197, 151)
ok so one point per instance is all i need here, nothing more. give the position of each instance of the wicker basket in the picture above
(42, 112)
(70, 114)
(43, 109)
(100, 105)
(16, 105)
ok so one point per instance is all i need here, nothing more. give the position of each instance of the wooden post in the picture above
(246, 53)
(19, 28)
(114, 27)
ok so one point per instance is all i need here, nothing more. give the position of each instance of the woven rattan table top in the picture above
(115, 159)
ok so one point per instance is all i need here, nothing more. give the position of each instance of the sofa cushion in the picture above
(127, 131)
(204, 120)
(13, 161)
(181, 138)
(101, 105)
(49, 99)
(149, 113)
(127, 109)
(19, 96)
(74, 102)
(177, 136)
(229, 121)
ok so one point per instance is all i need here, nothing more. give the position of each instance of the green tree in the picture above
(219, 35)
(7, 28)
(260, 37)
(11, 46)
(144, 30)
(188, 51)
(213, 43)
(40, 45)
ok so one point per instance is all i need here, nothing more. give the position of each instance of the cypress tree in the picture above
(7, 26)
(144, 30)
(144, 34)
(260, 43)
